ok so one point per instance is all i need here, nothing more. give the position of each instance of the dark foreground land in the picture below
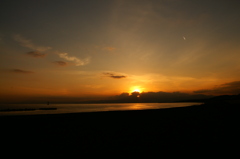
(210, 127)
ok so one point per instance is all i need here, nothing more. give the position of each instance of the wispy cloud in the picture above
(77, 61)
(21, 71)
(113, 75)
(39, 49)
(226, 88)
(60, 63)
(29, 44)
(36, 54)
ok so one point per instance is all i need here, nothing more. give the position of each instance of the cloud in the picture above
(36, 54)
(60, 63)
(226, 88)
(113, 75)
(29, 44)
(78, 62)
(21, 71)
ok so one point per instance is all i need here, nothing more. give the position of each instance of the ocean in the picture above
(34, 109)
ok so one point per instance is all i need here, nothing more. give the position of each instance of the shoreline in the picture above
(193, 127)
(23, 109)
(26, 109)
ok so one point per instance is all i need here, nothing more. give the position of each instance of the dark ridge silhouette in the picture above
(26, 109)
(225, 97)
(22, 109)
(154, 97)
(226, 88)
(223, 100)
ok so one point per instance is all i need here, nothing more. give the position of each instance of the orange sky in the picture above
(90, 50)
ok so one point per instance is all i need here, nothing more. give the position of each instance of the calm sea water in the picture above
(76, 108)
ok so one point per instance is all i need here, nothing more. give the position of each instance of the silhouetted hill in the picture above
(224, 99)
(154, 97)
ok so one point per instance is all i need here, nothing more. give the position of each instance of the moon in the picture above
(184, 38)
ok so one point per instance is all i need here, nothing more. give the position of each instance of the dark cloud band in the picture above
(60, 63)
(21, 71)
(36, 54)
(113, 75)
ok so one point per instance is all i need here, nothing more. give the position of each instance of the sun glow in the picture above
(135, 89)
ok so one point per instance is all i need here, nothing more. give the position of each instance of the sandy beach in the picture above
(191, 128)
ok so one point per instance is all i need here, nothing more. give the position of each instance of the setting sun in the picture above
(87, 76)
(136, 89)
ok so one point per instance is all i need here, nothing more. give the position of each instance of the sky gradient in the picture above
(72, 50)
